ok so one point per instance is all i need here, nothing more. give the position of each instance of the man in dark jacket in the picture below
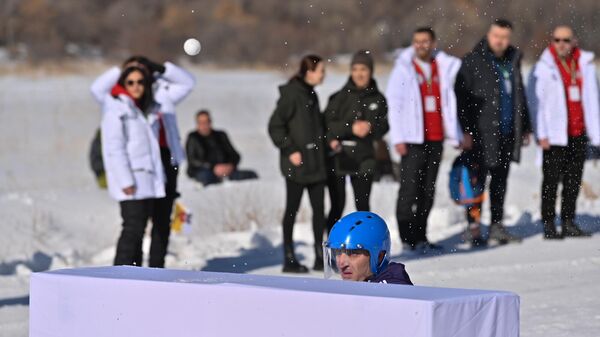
(355, 118)
(211, 157)
(493, 114)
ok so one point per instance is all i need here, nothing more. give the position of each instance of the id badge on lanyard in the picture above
(573, 90)
(574, 93)
(429, 99)
(430, 103)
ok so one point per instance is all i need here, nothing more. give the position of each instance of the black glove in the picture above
(152, 66)
(155, 67)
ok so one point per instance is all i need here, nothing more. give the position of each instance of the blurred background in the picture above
(269, 32)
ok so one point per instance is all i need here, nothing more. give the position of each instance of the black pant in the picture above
(418, 173)
(562, 164)
(361, 184)
(135, 214)
(316, 194)
(499, 178)
(207, 176)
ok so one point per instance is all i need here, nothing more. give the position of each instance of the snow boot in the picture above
(570, 229)
(473, 235)
(499, 233)
(550, 232)
(432, 247)
(290, 264)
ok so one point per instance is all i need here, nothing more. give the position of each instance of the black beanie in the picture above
(363, 57)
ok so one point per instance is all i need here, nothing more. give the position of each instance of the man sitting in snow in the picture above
(358, 248)
(211, 157)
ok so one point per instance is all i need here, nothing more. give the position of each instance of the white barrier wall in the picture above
(132, 302)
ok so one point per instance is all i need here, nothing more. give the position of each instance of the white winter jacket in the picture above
(548, 102)
(130, 149)
(405, 105)
(170, 88)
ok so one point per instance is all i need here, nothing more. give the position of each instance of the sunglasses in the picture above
(130, 83)
(558, 40)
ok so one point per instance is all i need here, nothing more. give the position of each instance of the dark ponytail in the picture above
(308, 63)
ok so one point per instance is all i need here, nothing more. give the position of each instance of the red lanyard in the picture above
(434, 74)
(570, 69)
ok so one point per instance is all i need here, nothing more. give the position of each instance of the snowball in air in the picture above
(192, 47)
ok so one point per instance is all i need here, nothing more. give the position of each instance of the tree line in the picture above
(247, 32)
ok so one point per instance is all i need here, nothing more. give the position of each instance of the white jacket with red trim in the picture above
(546, 97)
(171, 87)
(130, 149)
(405, 107)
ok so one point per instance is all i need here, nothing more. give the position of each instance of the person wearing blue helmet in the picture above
(358, 249)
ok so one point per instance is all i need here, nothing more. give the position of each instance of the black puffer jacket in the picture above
(346, 106)
(297, 125)
(478, 98)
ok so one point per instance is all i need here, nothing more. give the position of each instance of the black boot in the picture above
(550, 232)
(318, 266)
(570, 229)
(473, 235)
(290, 264)
(499, 233)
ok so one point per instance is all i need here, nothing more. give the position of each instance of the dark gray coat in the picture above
(346, 106)
(297, 125)
(478, 98)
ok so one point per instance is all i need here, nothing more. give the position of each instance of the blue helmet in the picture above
(365, 231)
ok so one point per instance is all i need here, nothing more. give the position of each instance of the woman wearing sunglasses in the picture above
(168, 84)
(132, 159)
(171, 84)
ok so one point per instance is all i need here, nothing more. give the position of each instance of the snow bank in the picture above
(53, 216)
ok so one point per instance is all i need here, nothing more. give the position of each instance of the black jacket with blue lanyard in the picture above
(478, 94)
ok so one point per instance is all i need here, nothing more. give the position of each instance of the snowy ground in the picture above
(53, 216)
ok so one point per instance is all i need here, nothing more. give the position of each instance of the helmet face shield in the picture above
(348, 264)
(331, 269)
